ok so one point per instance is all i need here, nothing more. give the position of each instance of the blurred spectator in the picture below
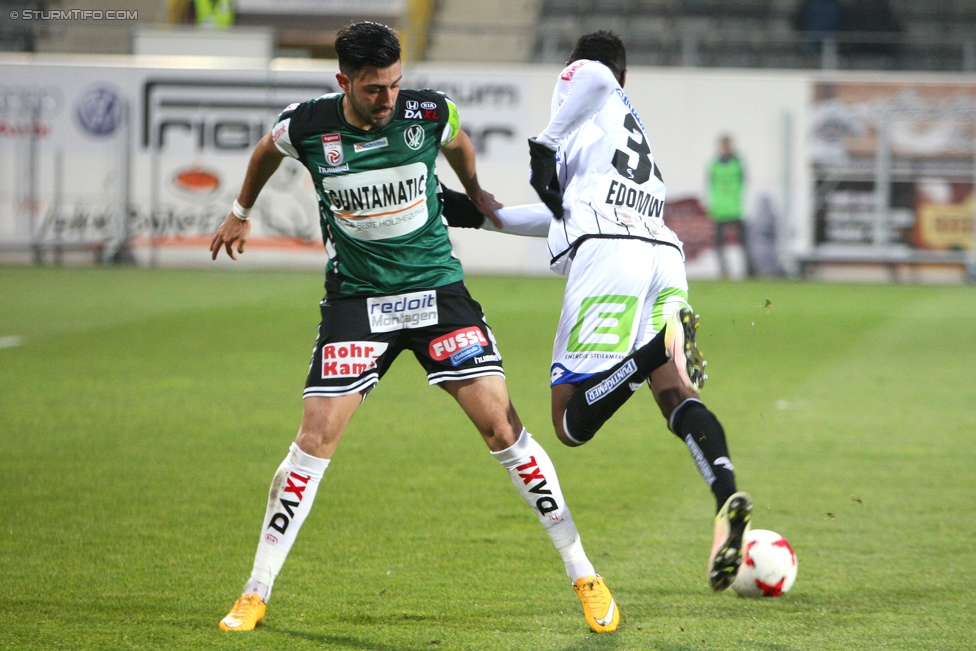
(180, 12)
(211, 14)
(818, 16)
(762, 239)
(214, 14)
(726, 179)
(872, 16)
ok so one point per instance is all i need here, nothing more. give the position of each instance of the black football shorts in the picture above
(360, 336)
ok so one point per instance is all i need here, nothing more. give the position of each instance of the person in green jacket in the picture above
(214, 14)
(726, 178)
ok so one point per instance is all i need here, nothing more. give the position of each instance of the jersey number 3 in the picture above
(621, 159)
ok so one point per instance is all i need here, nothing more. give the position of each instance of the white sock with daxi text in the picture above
(289, 502)
(534, 477)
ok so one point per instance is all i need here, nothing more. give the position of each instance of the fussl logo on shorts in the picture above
(459, 345)
(414, 310)
(350, 358)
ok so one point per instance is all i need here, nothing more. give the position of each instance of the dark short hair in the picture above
(366, 44)
(603, 46)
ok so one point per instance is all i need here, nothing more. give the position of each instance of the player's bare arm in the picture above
(264, 161)
(460, 154)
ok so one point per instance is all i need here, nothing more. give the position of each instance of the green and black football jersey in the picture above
(377, 190)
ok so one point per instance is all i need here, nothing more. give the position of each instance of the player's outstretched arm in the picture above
(236, 227)
(532, 220)
(460, 154)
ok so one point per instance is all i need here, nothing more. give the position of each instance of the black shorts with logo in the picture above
(360, 336)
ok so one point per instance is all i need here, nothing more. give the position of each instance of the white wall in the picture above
(683, 109)
(686, 110)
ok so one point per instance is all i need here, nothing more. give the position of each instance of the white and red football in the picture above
(768, 566)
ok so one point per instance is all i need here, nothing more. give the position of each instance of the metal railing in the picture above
(810, 50)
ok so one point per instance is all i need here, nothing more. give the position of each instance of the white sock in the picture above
(535, 478)
(289, 502)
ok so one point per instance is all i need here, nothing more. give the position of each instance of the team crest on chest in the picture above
(332, 148)
(414, 137)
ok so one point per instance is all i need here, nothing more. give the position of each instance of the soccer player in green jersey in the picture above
(392, 284)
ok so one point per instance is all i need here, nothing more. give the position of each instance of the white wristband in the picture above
(240, 211)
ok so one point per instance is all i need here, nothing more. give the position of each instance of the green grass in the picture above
(145, 412)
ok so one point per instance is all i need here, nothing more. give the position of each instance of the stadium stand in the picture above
(870, 34)
(937, 35)
(18, 36)
(463, 31)
(74, 35)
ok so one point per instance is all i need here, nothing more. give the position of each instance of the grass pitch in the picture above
(144, 413)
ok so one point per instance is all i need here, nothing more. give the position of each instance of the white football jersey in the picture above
(610, 182)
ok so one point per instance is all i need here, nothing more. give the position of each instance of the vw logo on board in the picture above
(98, 111)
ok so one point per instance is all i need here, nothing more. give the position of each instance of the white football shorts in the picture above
(619, 294)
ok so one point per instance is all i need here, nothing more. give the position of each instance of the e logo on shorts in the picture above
(604, 324)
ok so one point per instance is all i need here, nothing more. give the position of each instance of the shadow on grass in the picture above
(704, 646)
(341, 641)
(591, 642)
(594, 641)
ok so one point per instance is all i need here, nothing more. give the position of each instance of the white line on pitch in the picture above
(10, 342)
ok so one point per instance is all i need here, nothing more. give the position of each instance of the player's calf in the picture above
(290, 500)
(700, 430)
(599, 398)
(682, 349)
(534, 477)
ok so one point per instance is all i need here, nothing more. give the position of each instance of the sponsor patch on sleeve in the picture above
(282, 139)
(458, 346)
(570, 70)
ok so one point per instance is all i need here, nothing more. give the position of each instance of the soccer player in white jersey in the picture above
(625, 312)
